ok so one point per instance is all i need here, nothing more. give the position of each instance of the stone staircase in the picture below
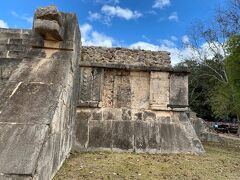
(14, 43)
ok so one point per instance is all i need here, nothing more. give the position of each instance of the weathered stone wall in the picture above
(128, 110)
(123, 56)
(38, 102)
(14, 44)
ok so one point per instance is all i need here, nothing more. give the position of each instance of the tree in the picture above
(225, 99)
(201, 82)
(208, 40)
(214, 80)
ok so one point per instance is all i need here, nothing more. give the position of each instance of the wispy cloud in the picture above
(3, 24)
(161, 3)
(29, 19)
(94, 16)
(107, 1)
(117, 11)
(173, 17)
(108, 12)
(185, 39)
(174, 38)
(90, 37)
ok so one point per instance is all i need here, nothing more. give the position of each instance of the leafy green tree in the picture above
(225, 97)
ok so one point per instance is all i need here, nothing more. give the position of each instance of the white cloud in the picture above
(185, 39)
(173, 17)
(107, 1)
(174, 38)
(94, 16)
(91, 37)
(85, 30)
(23, 17)
(161, 3)
(3, 24)
(144, 45)
(116, 11)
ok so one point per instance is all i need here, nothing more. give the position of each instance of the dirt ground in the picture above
(221, 161)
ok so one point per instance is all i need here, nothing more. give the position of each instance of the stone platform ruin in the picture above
(57, 96)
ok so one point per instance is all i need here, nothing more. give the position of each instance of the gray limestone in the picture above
(38, 104)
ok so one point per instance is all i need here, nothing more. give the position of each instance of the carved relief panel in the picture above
(91, 80)
(178, 90)
(159, 90)
(122, 90)
(140, 90)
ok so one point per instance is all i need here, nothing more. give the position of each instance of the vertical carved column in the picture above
(91, 80)
(159, 90)
(122, 91)
(179, 91)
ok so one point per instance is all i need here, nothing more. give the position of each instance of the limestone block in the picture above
(24, 103)
(178, 90)
(159, 90)
(140, 135)
(122, 92)
(147, 137)
(122, 135)
(81, 129)
(140, 82)
(48, 23)
(19, 146)
(91, 80)
(100, 134)
(114, 114)
(49, 29)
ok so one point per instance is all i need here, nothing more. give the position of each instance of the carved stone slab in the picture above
(159, 90)
(178, 91)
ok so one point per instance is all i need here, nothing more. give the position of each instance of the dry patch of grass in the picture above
(219, 162)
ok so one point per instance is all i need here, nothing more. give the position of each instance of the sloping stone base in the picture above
(113, 129)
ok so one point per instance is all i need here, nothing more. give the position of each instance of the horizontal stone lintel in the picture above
(62, 45)
(134, 67)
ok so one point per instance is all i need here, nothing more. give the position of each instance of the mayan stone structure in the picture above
(57, 96)
(133, 100)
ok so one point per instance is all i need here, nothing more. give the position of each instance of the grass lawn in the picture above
(219, 162)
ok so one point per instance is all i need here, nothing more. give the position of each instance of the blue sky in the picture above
(145, 24)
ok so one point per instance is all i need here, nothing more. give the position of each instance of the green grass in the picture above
(219, 162)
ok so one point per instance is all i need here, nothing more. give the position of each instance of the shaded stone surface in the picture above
(38, 105)
(20, 145)
(158, 133)
(100, 134)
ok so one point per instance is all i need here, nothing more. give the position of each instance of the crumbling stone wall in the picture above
(203, 130)
(133, 105)
(123, 56)
(38, 101)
